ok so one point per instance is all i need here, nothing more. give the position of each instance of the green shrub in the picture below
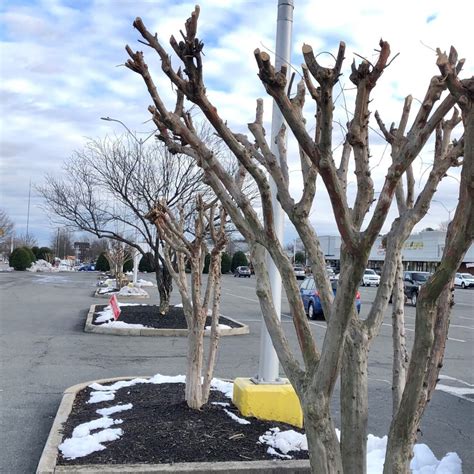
(44, 253)
(35, 251)
(239, 259)
(299, 258)
(20, 259)
(147, 263)
(207, 261)
(102, 264)
(226, 262)
(128, 265)
(30, 253)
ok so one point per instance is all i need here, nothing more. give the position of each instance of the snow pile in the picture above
(42, 266)
(82, 442)
(105, 291)
(284, 441)
(131, 291)
(6, 269)
(424, 461)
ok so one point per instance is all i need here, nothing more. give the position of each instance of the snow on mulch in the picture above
(106, 318)
(90, 436)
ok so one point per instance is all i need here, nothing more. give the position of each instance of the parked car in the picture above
(300, 273)
(464, 280)
(410, 291)
(310, 296)
(370, 278)
(242, 272)
(87, 267)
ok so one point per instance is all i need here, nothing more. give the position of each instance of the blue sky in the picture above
(60, 66)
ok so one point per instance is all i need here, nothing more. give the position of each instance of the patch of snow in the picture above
(117, 385)
(179, 305)
(73, 448)
(141, 283)
(236, 418)
(123, 325)
(284, 441)
(97, 397)
(221, 404)
(114, 409)
(219, 326)
(42, 266)
(227, 388)
(85, 429)
(423, 462)
(104, 291)
(131, 291)
(272, 452)
(158, 378)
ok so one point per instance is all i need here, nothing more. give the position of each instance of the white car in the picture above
(370, 278)
(300, 273)
(464, 280)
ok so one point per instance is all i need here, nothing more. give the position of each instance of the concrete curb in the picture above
(101, 329)
(48, 460)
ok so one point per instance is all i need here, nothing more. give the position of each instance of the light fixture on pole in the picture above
(140, 143)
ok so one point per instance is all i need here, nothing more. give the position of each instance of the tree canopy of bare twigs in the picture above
(109, 186)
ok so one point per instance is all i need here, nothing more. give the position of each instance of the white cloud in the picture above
(60, 73)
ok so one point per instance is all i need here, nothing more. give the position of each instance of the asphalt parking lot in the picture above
(44, 350)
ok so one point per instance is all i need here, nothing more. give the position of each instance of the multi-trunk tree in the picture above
(180, 250)
(347, 339)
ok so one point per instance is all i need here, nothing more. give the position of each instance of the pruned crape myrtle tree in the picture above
(111, 184)
(348, 338)
(192, 250)
(117, 254)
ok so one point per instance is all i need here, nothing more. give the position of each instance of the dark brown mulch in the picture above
(160, 428)
(149, 316)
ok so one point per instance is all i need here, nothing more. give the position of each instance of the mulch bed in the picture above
(160, 428)
(149, 316)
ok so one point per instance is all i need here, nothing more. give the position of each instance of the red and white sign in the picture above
(115, 307)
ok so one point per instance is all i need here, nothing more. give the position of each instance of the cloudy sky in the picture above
(61, 70)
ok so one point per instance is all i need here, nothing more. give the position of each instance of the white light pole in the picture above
(140, 143)
(268, 370)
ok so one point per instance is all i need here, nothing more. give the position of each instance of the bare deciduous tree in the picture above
(195, 303)
(109, 186)
(347, 339)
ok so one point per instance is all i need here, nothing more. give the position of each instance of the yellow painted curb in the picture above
(277, 402)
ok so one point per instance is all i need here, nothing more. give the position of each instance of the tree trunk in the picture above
(164, 283)
(400, 354)
(215, 269)
(324, 452)
(193, 391)
(354, 400)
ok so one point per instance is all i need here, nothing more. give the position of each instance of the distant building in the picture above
(82, 251)
(421, 252)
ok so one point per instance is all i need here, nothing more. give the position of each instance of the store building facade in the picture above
(421, 252)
